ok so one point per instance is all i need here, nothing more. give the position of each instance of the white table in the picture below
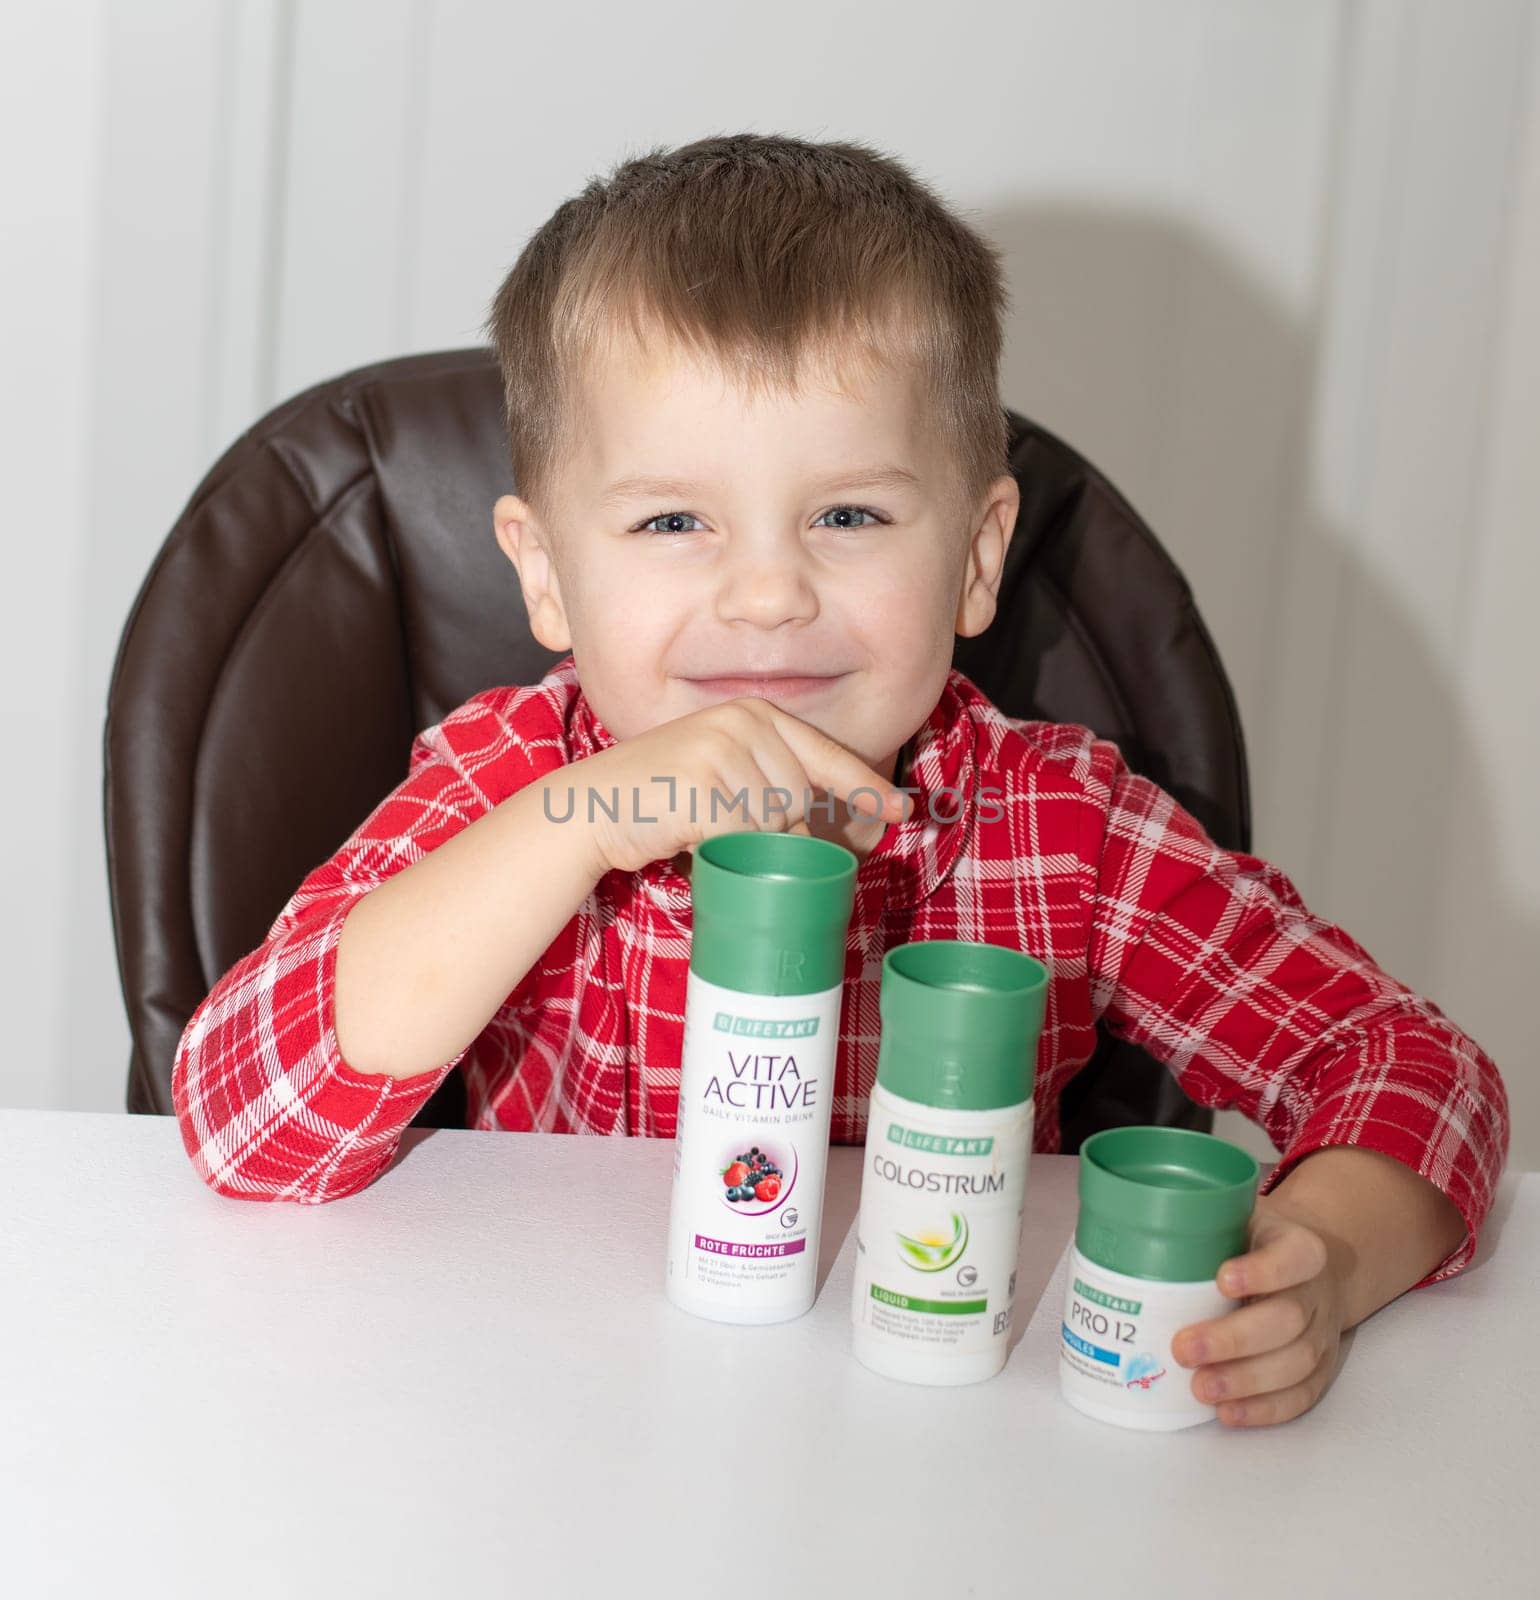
(466, 1381)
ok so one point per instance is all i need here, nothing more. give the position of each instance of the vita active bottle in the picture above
(1161, 1210)
(770, 912)
(948, 1137)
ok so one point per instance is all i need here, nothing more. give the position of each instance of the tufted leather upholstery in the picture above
(333, 587)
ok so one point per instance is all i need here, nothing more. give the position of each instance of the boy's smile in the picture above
(706, 543)
(786, 688)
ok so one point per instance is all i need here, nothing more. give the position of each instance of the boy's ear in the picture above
(528, 546)
(992, 527)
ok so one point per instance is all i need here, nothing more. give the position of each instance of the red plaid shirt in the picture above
(1206, 957)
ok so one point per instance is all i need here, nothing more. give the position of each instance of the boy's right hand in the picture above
(745, 744)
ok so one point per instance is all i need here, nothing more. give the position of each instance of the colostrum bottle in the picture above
(948, 1137)
(769, 915)
(1161, 1210)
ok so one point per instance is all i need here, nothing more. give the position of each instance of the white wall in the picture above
(1275, 267)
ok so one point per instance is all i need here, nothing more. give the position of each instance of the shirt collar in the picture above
(917, 854)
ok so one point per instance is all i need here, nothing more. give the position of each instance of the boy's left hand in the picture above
(1272, 1357)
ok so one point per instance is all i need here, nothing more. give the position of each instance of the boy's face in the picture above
(758, 550)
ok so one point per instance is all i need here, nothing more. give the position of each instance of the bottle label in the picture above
(751, 1148)
(940, 1225)
(1115, 1340)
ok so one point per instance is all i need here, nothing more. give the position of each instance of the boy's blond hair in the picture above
(755, 250)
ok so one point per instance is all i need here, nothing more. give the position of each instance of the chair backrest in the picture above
(333, 587)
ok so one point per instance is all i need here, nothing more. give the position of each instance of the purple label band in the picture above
(726, 1247)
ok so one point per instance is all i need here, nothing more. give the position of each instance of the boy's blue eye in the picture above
(858, 511)
(687, 516)
(666, 516)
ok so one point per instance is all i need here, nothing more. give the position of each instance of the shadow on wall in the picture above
(1165, 360)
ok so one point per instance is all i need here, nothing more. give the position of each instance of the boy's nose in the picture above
(766, 593)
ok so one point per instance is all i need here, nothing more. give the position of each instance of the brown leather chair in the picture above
(333, 587)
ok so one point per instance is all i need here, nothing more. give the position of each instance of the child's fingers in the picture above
(784, 789)
(822, 804)
(1284, 1254)
(1281, 1405)
(1266, 1324)
(1276, 1369)
(840, 771)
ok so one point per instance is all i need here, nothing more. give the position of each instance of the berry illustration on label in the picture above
(755, 1181)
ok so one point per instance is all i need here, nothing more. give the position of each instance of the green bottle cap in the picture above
(960, 1023)
(1164, 1203)
(770, 912)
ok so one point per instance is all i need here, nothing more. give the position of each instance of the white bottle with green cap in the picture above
(1161, 1210)
(948, 1138)
(769, 916)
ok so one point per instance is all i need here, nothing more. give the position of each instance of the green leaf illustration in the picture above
(934, 1254)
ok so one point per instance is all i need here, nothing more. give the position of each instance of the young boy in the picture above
(752, 393)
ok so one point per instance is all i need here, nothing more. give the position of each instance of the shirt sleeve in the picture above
(267, 1106)
(1209, 959)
